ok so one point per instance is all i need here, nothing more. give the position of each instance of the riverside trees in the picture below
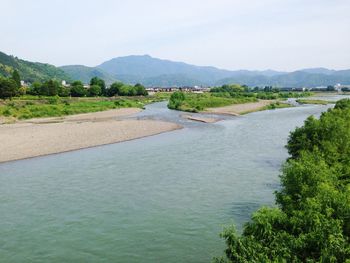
(77, 89)
(311, 222)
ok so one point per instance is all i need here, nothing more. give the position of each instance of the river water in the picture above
(163, 198)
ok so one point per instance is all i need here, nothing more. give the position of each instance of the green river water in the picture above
(163, 198)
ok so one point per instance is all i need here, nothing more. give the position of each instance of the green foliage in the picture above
(277, 105)
(95, 81)
(30, 71)
(94, 90)
(140, 90)
(16, 77)
(194, 102)
(8, 88)
(229, 88)
(320, 102)
(121, 89)
(312, 220)
(52, 106)
(77, 89)
(176, 100)
(48, 88)
(268, 93)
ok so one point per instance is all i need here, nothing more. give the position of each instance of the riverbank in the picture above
(238, 109)
(37, 137)
(30, 107)
(315, 101)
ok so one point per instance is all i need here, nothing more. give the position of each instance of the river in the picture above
(163, 198)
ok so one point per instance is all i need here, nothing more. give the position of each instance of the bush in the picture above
(176, 100)
(8, 88)
(312, 220)
(78, 90)
(94, 91)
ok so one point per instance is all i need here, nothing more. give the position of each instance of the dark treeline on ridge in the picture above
(311, 222)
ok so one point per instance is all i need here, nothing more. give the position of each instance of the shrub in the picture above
(312, 220)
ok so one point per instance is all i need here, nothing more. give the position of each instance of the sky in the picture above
(231, 34)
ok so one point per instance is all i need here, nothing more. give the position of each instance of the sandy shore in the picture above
(38, 137)
(200, 119)
(238, 109)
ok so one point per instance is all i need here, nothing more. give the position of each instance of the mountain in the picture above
(30, 71)
(147, 68)
(158, 72)
(324, 71)
(85, 74)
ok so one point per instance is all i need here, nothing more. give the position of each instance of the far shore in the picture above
(37, 137)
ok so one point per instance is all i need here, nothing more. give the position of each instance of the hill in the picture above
(30, 71)
(84, 73)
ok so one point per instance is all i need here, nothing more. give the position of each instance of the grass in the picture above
(320, 102)
(28, 107)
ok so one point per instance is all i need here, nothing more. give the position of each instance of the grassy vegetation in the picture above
(277, 105)
(229, 95)
(193, 102)
(27, 107)
(320, 102)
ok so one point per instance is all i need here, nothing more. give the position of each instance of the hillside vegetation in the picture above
(30, 71)
(84, 74)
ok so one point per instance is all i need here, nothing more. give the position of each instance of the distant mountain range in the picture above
(158, 72)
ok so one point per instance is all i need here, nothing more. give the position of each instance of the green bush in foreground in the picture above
(311, 222)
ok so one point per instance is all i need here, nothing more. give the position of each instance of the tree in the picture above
(176, 100)
(94, 90)
(8, 88)
(52, 87)
(115, 89)
(16, 77)
(99, 82)
(35, 88)
(140, 90)
(63, 91)
(312, 220)
(77, 89)
(330, 88)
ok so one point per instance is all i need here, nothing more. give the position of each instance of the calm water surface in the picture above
(163, 198)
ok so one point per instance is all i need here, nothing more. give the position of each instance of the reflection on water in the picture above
(163, 198)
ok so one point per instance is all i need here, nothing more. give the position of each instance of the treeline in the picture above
(267, 93)
(311, 222)
(11, 87)
(76, 89)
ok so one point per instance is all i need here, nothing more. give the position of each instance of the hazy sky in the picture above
(242, 34)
